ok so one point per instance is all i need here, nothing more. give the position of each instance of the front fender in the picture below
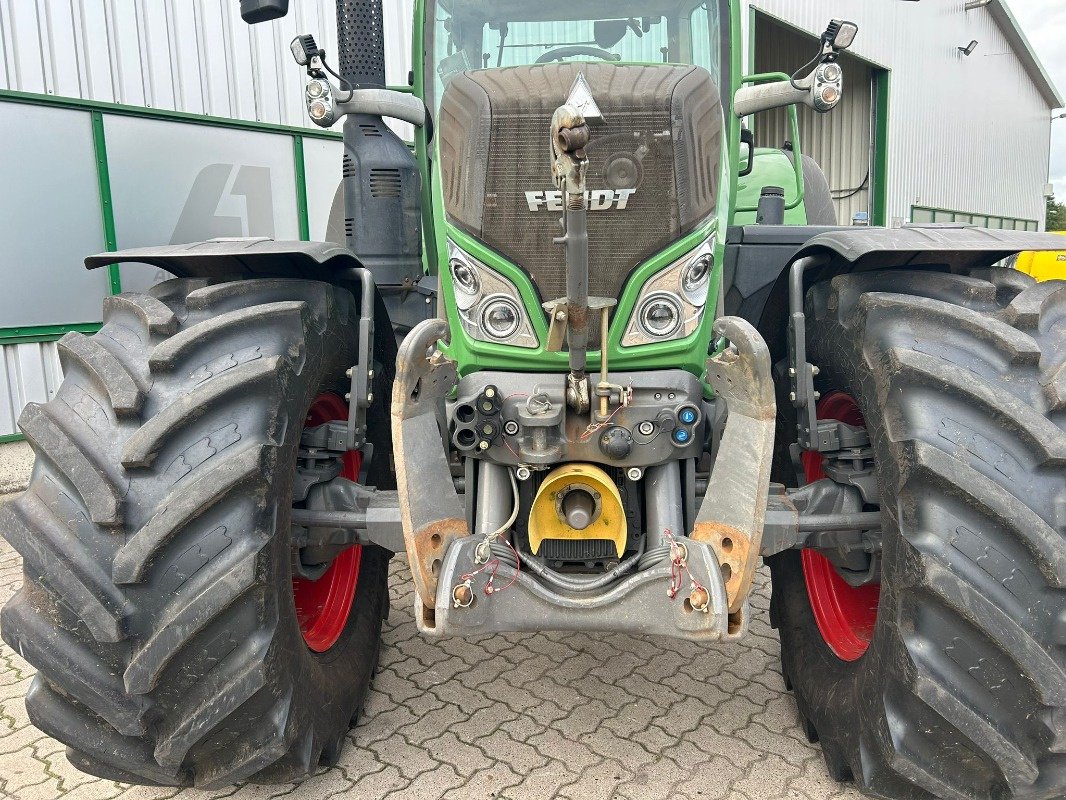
(242, 258)
(758, 258)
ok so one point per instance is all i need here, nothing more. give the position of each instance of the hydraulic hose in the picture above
(573, 583)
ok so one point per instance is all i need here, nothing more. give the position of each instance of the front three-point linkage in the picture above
(570, 315)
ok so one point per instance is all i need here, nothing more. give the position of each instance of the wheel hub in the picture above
(324, 605)
(846, 615)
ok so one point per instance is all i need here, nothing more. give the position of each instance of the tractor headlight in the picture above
(490, 307)
(500, 318)
(672, 302)
(660, 315)
(465, 281)
(695, 276)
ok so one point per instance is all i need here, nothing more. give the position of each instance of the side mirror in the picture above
(609, 32)
(253, 11)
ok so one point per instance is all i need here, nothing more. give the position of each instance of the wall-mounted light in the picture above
(968, 49)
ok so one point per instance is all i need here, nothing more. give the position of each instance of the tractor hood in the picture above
(654, 163)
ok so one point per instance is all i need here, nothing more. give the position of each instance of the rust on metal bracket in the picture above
(733, 511)
(431, 510)
(733, 548)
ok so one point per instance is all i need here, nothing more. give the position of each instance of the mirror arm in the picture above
(753, 99)
(384, 103)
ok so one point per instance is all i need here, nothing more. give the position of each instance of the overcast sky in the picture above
(1044, 22)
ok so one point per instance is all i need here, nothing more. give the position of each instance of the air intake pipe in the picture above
(382, 184)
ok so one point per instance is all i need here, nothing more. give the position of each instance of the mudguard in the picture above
(242, 258)
(959, 248)
(758, 258)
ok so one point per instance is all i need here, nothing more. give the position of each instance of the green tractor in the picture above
(575, 365)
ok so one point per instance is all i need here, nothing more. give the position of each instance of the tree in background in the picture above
(1056, 215)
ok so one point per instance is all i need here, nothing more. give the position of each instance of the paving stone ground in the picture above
(517, 716)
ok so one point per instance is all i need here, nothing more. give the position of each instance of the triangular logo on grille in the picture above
(581, 98)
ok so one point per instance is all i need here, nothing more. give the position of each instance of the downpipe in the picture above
(662, 503)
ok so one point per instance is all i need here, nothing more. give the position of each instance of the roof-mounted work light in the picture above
(840, 35)
(304, 49)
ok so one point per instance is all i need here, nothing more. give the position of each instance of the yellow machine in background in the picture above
(1044, 266)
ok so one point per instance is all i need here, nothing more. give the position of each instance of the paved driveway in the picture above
(548, 715)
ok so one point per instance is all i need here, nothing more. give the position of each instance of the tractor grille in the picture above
(619, 239)
(660, 135)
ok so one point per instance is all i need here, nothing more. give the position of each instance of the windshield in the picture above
(482, 34)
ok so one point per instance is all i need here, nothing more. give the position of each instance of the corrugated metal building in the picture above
(937, 135)
(136, 122)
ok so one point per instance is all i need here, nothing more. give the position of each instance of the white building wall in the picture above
(965, 133)
(196, 56)
(28, 373)
(952, 118)
(193, 56)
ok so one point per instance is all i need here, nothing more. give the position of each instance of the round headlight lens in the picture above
(660, 316)
(831, 73)
(465, 277)
(694, 278)
(316, 89)
(501, 318)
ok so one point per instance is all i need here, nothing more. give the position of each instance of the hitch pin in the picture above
(463, 595)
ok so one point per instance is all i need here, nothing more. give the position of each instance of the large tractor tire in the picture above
(948, 680)
(159, 605)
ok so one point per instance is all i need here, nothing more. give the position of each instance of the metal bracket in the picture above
(361, 396)
(731, 516)
(638, 603)
(823, 514)
(834, 435)
(801, 373)
(433, 514)
(342, 512)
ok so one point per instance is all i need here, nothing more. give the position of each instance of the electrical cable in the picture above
(654, 558)
(492, 537)
(492, 560)
(851, 192)
(574, 584)
(345, 84)
(811, 63)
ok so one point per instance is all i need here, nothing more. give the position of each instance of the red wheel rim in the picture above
(845, 615)
(323, 606)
